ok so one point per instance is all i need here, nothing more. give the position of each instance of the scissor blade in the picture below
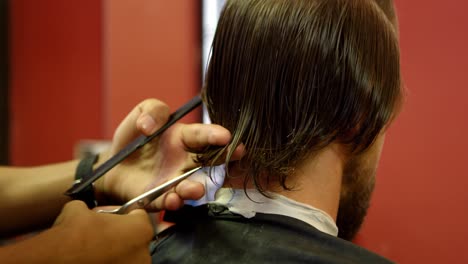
(144, 199)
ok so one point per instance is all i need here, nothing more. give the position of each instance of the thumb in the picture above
(71, 209)
(145, 117)
(145, 223)
(138, 212)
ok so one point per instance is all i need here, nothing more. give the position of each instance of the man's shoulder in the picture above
(298, 240)
(265, 238)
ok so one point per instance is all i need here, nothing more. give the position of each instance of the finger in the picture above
(193, 159)
(60, 218)
(142, 222)
(70, 209)
(74, 206)
(190, 190)
(199, 136)
(138, 213)
(153, 114)
(238, 153)
(186, 190)
(174, 199)
(145, 117)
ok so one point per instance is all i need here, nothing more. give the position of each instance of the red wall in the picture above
(77, 68)
(55, 78)
(152, 49)
(420, 208)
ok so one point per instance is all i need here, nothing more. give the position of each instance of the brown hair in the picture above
(289, 77)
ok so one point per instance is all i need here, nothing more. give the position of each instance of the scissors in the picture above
(144, 199)
(141, 201)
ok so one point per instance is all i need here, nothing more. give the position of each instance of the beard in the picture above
(357, 187)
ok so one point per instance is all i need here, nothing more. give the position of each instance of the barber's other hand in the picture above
(90, 237)
(160, 160)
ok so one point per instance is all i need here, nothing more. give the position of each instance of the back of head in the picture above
(289, 77)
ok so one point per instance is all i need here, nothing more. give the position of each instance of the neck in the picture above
(317, 182)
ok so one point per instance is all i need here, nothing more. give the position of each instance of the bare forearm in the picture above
(32, 197)
(42, 248)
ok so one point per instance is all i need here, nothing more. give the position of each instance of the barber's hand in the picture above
(80, 235)
(160, 160)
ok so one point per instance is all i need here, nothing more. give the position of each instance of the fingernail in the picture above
(147, 124)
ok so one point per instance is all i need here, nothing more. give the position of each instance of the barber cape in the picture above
(235, 228)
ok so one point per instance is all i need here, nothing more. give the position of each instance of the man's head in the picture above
(289, 77)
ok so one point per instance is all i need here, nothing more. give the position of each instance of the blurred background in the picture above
(71, 70)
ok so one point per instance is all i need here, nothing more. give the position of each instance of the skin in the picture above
(325, 181)
(33, 197)
(358, 180)
(83, 236)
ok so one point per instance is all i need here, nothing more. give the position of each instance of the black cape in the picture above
(212, 234)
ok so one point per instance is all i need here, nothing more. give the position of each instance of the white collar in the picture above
(238, 202)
